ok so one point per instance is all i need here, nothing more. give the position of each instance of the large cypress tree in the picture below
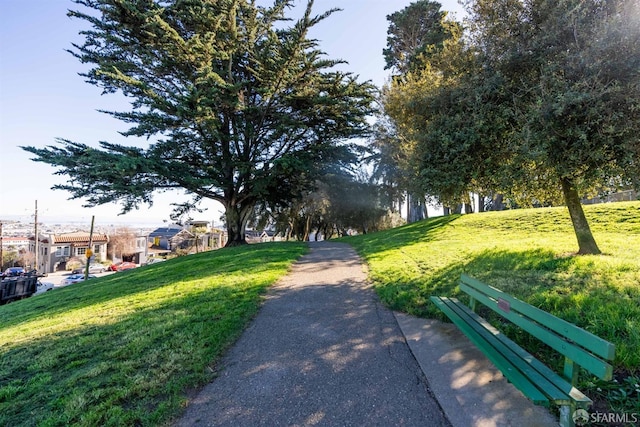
(239, 107)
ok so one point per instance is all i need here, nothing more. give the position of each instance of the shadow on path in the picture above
(322, 351)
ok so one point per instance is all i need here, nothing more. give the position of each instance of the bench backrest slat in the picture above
(583, 347)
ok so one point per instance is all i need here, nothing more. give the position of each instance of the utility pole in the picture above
(89, 250)
(35, 230)
(1, 252)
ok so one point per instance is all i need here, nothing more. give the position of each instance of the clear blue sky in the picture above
(42, 97)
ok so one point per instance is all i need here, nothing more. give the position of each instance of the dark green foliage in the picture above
(540, 102)
(338, 203)
(227, 96)
(571, 68)
(350, 205)
(417, 30)
(417, 37)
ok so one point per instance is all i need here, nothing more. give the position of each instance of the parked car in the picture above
(75, 278)
(13, 271)
(43, 287)
(155, 260)
(93, 268)
(122, 266)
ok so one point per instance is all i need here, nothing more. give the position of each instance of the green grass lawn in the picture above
(529, 253)
(126, 349)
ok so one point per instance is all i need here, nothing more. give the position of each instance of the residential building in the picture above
(56, 250)
(15, 243)
(196, 236)
(165, 237)
(128, 246)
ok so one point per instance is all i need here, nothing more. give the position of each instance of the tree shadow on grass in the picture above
(317, 351)
(522, 273)
(129, 370)
(214, 265)
(421, 231)
(562, 286)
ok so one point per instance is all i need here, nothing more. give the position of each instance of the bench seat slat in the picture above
(519, 380)
(534, 379)
(553, 385)
(585, 359)
(586, 339)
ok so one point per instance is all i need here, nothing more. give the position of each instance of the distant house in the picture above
(165, 237)
(128, 246)
(205, 237)
(217, 238)
(15, 243)
(255, 236)
(142, 249)
(270, 236)
(57, 249)
(174, 237)
(198, 224)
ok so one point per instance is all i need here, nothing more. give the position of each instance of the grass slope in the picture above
(529, 253)
(125, 349)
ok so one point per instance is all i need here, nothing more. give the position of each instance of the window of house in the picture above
(96, 249)
(62, 251)
(81, 251)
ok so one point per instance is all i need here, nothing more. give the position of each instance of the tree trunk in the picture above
(237, 217)
(468, 208)
(290, 230)
(364, 228)
(586, 243)
(497, 202)
(307, 229)
(416, 208)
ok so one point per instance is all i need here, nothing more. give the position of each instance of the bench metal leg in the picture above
(566, 416)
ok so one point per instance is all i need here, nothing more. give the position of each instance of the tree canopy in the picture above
(540, 100)
(572, 70)
(239, 104)
(417, 35)
(417, 30)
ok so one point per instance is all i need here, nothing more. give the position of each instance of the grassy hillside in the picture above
(528, 253)
(124, 349)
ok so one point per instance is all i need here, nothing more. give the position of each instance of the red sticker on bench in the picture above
(504, 305)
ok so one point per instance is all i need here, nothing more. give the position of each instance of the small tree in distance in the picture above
(122, 242)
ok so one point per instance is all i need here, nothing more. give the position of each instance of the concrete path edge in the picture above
(468, 387)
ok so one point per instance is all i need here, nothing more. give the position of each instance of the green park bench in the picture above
(534, 379)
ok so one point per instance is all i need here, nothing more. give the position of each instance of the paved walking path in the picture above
(323, 350)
